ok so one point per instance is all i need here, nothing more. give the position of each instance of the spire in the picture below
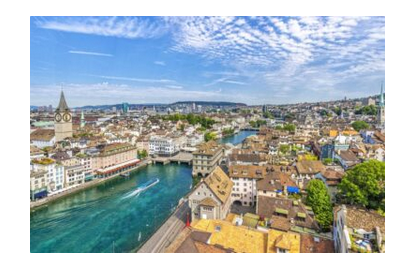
(382, 95)
(62, 106)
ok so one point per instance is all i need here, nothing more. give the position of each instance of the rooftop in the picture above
(238, 238)
(219, 183)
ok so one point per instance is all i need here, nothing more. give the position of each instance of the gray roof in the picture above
(62, 106)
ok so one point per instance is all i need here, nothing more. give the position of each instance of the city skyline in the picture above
(253, 60)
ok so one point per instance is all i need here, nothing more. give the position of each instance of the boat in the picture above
(143, 187)
(125, 175)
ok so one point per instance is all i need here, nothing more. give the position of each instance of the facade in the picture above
(207, 158)
(42, 138)
(113, 154)
(38, 184)
(211, 198)
(74, 175)
(381, 108)
(163, 146)
(244, 178)
(358, 230)
(54, 173)
(62, 120)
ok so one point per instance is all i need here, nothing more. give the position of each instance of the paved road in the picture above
(167, 232)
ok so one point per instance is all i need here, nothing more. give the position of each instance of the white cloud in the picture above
(90, 53)
(124, 27)
(135, 79)
(161, 63)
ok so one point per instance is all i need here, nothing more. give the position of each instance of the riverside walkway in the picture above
(74, 189)
(165, 235)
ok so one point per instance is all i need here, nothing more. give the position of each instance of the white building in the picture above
(163, 146)
(244, 178)
(55, 172)
(195, 140)
(74, 175)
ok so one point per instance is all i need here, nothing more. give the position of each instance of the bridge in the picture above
(181, 157)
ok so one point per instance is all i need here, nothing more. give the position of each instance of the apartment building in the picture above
(207, 158)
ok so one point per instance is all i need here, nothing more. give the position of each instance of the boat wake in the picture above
(142, 188)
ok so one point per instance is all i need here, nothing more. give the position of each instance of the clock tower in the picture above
(62, 120)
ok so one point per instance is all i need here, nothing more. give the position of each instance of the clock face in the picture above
(58, 117)
(67, 117)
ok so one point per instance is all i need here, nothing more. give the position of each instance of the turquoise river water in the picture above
(113, 217)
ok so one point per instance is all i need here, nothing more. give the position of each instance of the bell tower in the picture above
(62, 120)
(381, 108)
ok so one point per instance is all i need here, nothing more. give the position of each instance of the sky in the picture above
(252, 60)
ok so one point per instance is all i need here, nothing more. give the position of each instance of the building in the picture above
(358, 230)
(308, 169)
(62, 120)
(74, 175)
(211, 198)
(283, 242)
(42, 138)
(244, 178)
(125, 108)
(38, 184)
(285, 214)
(163, 146)
(207, 158)
(54, 172)
(347, 159)
(228, 236)
(381, 108)
(112, 154)
(276, 184)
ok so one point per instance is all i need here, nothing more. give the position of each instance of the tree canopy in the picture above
(364, 185)
(367, 110)
(359, 125)
(210, 136)
(319, 199)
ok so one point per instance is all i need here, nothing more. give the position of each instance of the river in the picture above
(237, 138)
(111, 217)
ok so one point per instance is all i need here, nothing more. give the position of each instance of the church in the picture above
(62, 120)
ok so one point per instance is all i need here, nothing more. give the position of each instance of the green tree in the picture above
(209, 136)
(267, 114)
(359, 125)
(319, 199)
(328, 161)
(364, 185)
(290, 128)
(284, 148)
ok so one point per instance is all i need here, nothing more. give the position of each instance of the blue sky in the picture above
(255, 60)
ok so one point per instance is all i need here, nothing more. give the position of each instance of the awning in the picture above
(41, 194)
(292, 190)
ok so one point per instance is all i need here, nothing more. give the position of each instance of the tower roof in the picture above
(62, 106)
(382, 95)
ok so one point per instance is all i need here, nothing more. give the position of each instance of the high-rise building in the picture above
(381, 108)
(125, 107)
(62, 120)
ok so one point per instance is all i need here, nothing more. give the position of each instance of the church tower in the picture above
(82, 120)
(381, 108)
(62, 120)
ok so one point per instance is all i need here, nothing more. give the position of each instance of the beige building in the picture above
(207, 158)
(211, 198)
(38, 184)
(63, 120)
(113, 154)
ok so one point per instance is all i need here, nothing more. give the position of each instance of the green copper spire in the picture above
(382, 102)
